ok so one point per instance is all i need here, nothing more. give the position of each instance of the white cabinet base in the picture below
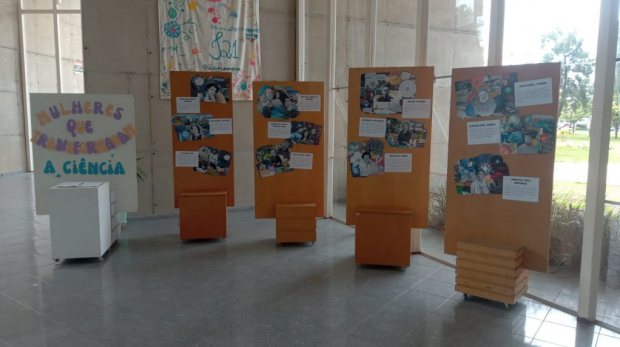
(80, 221)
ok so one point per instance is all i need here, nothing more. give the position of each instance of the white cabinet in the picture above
(80, 219)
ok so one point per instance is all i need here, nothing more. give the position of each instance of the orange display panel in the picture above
(383, 95)
(194, 131)
(476, 207)
(285, 135)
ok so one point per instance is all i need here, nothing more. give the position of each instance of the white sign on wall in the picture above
(84, 137)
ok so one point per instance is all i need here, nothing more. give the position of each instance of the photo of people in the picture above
(383, 92)
(274, 159)
(277, 102)
(405, 133)
(366, 158)
(483, 174)
(486, 96)
(192, 127)
(210, 88)
(533, 134)
(306, 133)
(213, 161)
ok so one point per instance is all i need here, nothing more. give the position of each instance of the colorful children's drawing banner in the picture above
(289, 151)
(202, 142)
(501, 157)
(388, 148)
(213, 36)
(84, 137)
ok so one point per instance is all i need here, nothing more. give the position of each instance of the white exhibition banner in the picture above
(372, 127)
(417, 108)
(311, 103)
(521, 188)
(278, 130)
(483, 132)
(220, 126)
(212, 36)
(84, 137)
(186, 159)
(534, 92)
(398, 162)
(301, 160)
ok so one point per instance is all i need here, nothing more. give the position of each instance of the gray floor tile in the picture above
(153, 290)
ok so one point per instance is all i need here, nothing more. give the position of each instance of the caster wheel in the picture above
(313, 243)
(508, 306)
(57, 261)
(464, 296)
(404, 268)
(278, 244)
(100, 259)
(359, 266)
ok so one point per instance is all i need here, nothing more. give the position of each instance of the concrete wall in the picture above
(124, 58)
(12, 145)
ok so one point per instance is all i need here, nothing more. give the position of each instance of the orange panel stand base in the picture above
(490, 270)
(383, 237)
(295, 223)
(203, 215)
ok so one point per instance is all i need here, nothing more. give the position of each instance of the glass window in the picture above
(37, 4)
(458, 37)
(608, 309)
(568, 36)
(71, 53)
(396, 30)
(70, 5)
(40, 50)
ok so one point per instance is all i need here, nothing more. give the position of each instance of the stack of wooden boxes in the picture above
(295, 223)
(490, 270)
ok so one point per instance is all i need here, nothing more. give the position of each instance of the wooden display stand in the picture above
(383, 237)
(295, 223)
(491, 270)
(203, 215)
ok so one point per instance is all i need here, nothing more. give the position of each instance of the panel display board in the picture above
(289, 145)
(389, 140)
(503, 123)
(84, 138)
(202, 136)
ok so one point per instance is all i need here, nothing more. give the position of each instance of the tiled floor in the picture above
(153, 290)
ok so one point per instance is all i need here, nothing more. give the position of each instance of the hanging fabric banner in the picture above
(210, 35)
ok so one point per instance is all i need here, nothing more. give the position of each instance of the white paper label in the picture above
(188, 105)
(417, 108)
(301, 161)
(372, 127)
(398, 162)
(279, 130)
(310, 103)
(521, 188)
(186, 159)
(220, 126)
(480, 133)
(535, 92)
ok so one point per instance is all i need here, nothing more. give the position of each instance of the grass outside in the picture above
(578, 191)
(574, 148)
